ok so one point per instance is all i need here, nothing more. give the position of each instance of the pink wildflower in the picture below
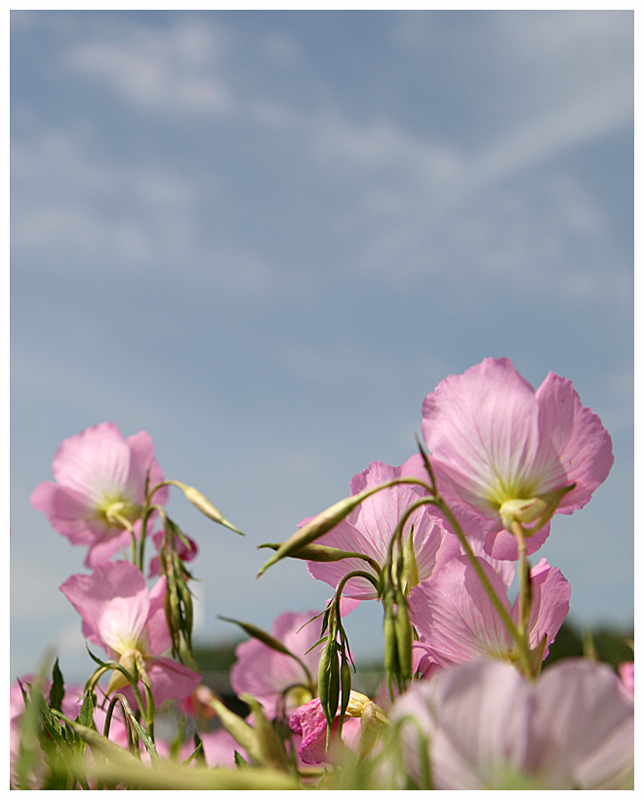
(278, 681)
(627, 679)
(457, 622)
(369, 528)
(100, 482)
(309, 721)
(184, 553)
(490, 729)
(128, 621)
(510, 452)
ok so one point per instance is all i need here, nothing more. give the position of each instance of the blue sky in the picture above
(264, 237)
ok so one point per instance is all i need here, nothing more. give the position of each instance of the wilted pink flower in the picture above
(100, 480)
(275, 679)
(184, 553)
(369, 528)
(309, 721)
(457, 622)
(510, 452)
(490, 729)
(128, 621)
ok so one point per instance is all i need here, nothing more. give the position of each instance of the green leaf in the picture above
(57, 691)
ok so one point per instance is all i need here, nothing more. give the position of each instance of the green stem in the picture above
(519, 639)
(524, 578)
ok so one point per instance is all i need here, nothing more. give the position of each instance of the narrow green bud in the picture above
(410, 576)
(205, 506)
(403, 636)
(326, 521)
(239, 729)
(392, 668)
(272, 751)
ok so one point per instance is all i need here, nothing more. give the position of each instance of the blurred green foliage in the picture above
(611, 645)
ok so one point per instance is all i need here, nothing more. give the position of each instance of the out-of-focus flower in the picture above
(128, 621)
(278, 681)
(99, 487)
(511, 453)
(185, 553)
(457, 621)
(219, 749)
(488, 728)
(369, 528)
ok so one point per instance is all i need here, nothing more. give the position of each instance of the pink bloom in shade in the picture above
(369, 528)
(457, 622)
(490, 729)
(309, 721)
(99, 474)
(184, 553)
(505, 450)
(275, 678)
(128, 621)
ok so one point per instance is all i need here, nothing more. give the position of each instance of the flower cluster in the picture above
(439, 541)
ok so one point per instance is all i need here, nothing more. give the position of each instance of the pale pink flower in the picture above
(506, 451)
(369, 528)
(99, 477)
(488, 728)
(275, 679)
(457, 621)
(121, 615)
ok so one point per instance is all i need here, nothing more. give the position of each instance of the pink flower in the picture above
(627, 679)
(219, 749)
(309, 721)
(100, 481)
(510, 452)
(369, 528)
(184, 553)
(457, 622)
(278, 681)
(128, 621)
(490, 729)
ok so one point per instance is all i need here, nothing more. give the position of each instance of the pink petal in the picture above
(481, 429)
(141, 459)
(576, 447)
(68, 512)
(502, 545)
(456, 618)
(94, 463)
(550, 604)
(580, 712)
(113, 602)
(265, 673)
(103, 547)
(170, 680)
(156, 627)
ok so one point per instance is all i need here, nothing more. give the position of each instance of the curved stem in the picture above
(519, 639)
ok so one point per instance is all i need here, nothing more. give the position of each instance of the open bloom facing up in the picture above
(100, 486)
(369, 528)
(458, 623)
(490, 729)
(275, 679)
(511, 453)
(128, 621)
